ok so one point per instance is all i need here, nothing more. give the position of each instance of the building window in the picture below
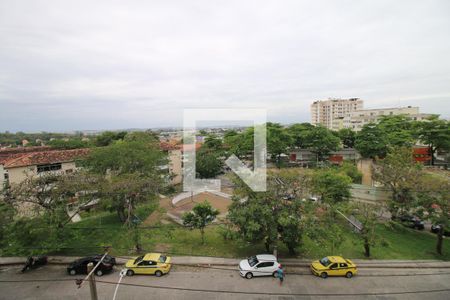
(49, 167)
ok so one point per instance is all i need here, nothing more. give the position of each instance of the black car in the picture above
(436, 227)
(80, 265)
(412, 222)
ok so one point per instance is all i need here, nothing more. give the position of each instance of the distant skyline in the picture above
(96, 65)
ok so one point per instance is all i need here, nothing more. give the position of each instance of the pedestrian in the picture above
(280, 274)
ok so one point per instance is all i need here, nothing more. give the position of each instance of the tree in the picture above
(208, 164)
(368, 215)
(347, 137)
(435, 133)
(240, 144)
(332, 186)
(278, 141)
(398, 130)
(350, 169)
(298, 132)
(432, 193)
(108, 137)
(401, 175)
(371, 141)
(321, 141)
(213, 143)
(201, 215)
(131, 172)
(272, 215)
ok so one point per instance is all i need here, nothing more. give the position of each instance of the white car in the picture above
(259, 265)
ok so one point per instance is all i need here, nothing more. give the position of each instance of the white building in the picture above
(357, 119)
(328, 112)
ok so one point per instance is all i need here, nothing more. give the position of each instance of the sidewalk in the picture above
(233, 262)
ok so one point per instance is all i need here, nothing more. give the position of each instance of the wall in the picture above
(370, 193)
(175, 166)
(2, 177)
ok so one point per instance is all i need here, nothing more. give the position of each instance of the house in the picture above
(7, 154)
(18, 167)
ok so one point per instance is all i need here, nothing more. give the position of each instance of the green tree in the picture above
(298, 132)
(213, 143)
(332, 187)
(371, 141)
(348, 168)
(368, 215)
(274, 215)
(432, 193)
(278, 141)
(401, 175)
(201, 215)
(108, 137)
(208, 164)
(398, 129)
(321, 141)
(131, 170)
(347, 136)
(435, 133)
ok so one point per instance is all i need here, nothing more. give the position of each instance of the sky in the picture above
(95, 65)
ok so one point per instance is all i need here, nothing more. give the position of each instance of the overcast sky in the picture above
(77, 65)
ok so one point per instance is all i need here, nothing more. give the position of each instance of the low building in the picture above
(357, 119)
(42, 162)
(7, 154)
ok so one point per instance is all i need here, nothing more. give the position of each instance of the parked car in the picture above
(436, 227)
(411, 221)
(333, 266)
(259, 265)
(150, 263)
(80, 265)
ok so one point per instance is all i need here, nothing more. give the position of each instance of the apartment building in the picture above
(357, 119)
(330, 113)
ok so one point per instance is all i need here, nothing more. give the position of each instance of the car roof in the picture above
(268, 257)
(337, 259)
(152, 256)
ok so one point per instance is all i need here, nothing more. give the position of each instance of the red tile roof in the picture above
(45, 157)
(8, 153)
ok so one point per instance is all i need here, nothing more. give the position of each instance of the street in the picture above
(52, 282)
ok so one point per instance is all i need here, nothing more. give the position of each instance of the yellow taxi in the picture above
(333, 266)
(150, 263)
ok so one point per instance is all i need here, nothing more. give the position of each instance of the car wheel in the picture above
(324, 275)
(349, 275)
(73, 272)
(158, 273)
(275, 274)
(249, 275)
(99, 272)
(130, 273)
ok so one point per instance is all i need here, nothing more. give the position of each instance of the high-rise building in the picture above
(331, 112)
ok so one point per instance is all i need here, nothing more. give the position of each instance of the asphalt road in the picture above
(370, 284)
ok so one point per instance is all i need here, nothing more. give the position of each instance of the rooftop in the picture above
(45, 157)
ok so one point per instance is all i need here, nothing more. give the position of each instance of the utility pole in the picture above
(92, 285)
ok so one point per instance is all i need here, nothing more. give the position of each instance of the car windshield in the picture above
(162, 258)
(138, 260)
(325, 261)
(252, 261)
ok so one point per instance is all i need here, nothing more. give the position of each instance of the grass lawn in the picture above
(105, 229)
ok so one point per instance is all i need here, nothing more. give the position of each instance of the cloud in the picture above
(111, 64)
